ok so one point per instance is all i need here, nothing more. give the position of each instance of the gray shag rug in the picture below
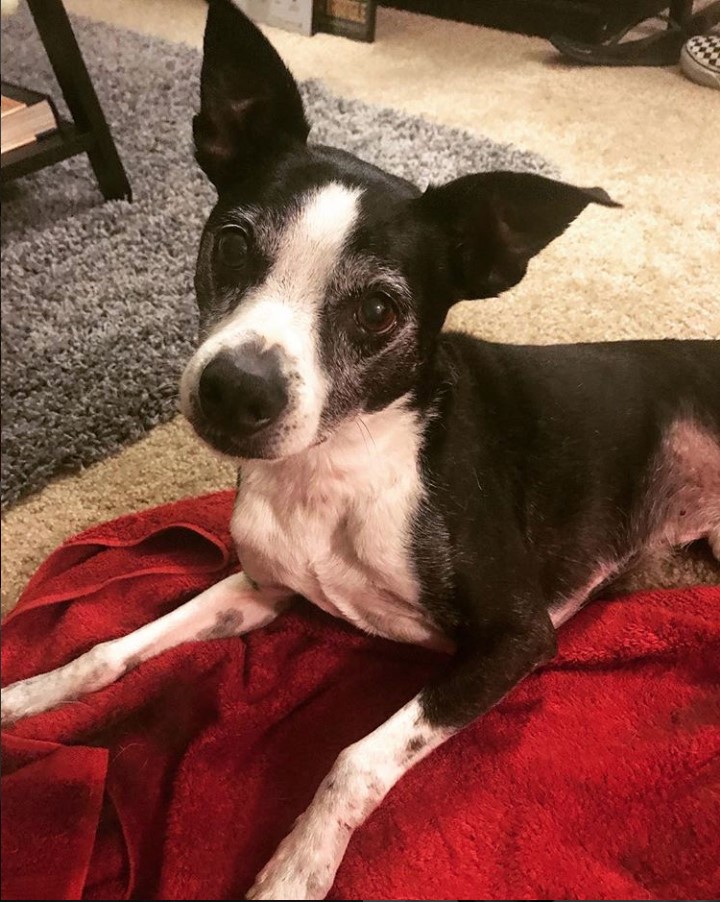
(97, 302)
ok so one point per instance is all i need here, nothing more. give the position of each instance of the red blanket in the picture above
(598, 778)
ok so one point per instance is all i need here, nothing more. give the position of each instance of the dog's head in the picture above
(322, 281)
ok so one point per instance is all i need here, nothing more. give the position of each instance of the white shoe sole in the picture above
(698, 72)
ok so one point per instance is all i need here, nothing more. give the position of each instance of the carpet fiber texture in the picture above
(97, 302)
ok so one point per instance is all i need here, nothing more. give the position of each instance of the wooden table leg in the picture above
(62, 49)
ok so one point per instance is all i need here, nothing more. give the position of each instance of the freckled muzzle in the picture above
(239, 396)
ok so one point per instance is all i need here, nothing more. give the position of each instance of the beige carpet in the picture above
(649, 270)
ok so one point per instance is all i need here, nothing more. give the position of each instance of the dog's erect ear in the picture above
(250, 107)
(495, 222)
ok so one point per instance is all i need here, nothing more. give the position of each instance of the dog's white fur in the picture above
(284, 311)
(333, 524)
(306, 861)
(231, 607)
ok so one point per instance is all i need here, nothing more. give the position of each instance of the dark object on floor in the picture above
(88, 132)
(598, 778)
(662, 48)
(581, 20)
(659, 49)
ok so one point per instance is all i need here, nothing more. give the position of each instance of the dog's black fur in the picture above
(542, 464)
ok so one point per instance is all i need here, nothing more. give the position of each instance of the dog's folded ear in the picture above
(494, 223)
(250, 106)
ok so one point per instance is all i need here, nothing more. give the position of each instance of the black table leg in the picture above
(64, 54)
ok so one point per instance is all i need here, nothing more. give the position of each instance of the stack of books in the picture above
(25, 117)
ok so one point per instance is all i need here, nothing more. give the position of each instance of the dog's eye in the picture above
(376, 313)
(232, 247)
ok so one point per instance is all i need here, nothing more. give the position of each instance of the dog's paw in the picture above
(285, 886)
(22, 699)
(303, 867)
(276, 884)
(280, 880)
(89, 672)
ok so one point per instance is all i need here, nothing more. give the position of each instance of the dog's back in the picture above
(594, 452)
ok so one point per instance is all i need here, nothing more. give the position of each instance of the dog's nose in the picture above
(242, 391)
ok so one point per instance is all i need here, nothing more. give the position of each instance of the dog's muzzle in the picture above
(240, 393)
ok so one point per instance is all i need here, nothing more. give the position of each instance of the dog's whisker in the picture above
(365, 432)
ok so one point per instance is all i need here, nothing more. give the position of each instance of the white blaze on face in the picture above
(284, 311)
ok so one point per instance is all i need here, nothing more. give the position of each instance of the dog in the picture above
(423, 485)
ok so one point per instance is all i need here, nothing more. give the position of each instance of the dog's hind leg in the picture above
(230, 608)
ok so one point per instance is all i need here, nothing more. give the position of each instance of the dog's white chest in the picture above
(334, 525)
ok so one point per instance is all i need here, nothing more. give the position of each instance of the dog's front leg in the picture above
(230, 608)
(483, 670)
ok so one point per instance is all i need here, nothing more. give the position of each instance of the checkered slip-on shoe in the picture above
(700, 59)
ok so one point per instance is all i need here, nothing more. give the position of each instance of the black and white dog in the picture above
(425, 486)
